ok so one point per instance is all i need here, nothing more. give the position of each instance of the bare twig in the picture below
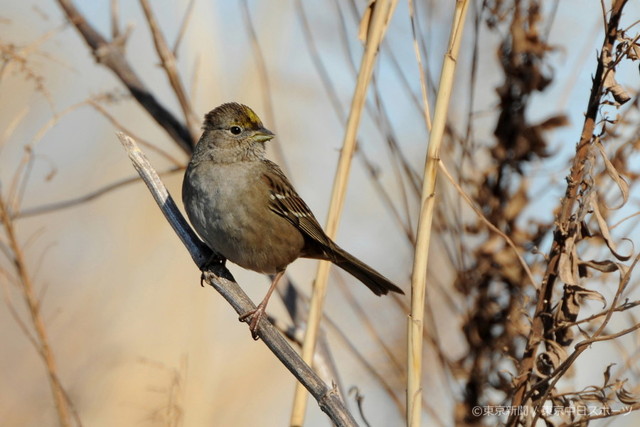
(64, 204)
(183, 27)
(115, 19)
(14, 312)
(375, 373)
(364, 317)
(21, 176)
(109, 54)
(168, 62)
(122, 128)
(219, 277)
(265, 84)
(41, 339)
(484, 219)
(423, 83)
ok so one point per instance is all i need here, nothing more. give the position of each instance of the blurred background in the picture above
(137, 341)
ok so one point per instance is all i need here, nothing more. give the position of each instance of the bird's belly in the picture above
(235, 221)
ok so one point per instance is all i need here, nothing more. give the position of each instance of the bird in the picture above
(246, 210)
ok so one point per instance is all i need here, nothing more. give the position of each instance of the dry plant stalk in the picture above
(34, 326)
(381, 13)
(41, 338)
(415, 327)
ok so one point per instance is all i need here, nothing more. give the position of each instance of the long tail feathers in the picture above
(375, 281)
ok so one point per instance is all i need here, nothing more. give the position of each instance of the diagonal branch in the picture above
(111, 55)
(219, 277)
(169, 64)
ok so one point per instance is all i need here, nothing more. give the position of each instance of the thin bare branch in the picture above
(122, 128)
(423, 82)
(110, 54)
(219, 277)
(115, 19)
(265, 85)
(168, 62)
(183, 27)
(16, 316)
(484, 219)
(367, 365)
(76, 201)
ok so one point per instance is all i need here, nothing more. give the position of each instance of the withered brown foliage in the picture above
(522, 337)
(494, 283)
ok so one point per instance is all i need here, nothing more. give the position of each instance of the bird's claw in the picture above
(213, 260)
(253, 317)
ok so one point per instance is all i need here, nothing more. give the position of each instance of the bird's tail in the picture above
(375, 281)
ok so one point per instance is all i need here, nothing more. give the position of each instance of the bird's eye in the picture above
(236, 130)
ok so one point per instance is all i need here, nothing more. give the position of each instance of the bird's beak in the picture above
(263, 135)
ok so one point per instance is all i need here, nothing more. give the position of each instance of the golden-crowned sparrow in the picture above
(246, 210)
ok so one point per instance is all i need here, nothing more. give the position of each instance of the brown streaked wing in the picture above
(285, 202)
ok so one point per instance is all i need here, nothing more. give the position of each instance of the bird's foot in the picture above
(253, 317)
(214, 261)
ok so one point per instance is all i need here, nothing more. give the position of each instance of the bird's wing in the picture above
(284, 201)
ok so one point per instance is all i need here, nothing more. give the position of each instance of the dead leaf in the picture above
(605, 266)
(607, 374)
(613, 173)
(626, 397)
(604, 229)
(548, 361)
(610, 84)
(567, 265)
(619, 93)
(582, 294)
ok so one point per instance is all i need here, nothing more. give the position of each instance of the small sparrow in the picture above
(246, 210)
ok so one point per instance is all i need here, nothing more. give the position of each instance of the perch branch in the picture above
(221, 280)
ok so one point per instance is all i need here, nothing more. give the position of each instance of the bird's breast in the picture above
(228, 205)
